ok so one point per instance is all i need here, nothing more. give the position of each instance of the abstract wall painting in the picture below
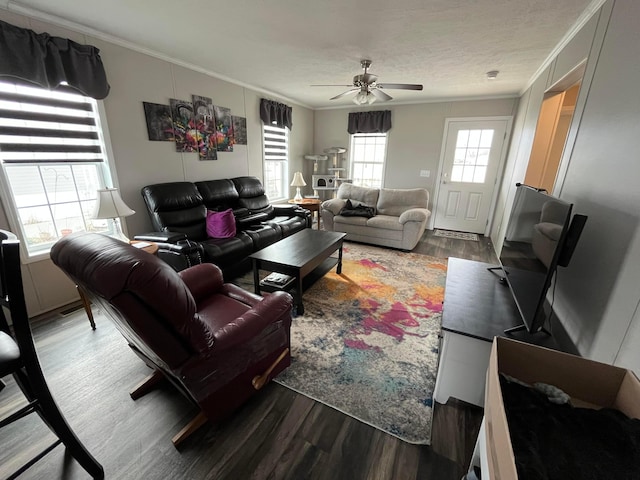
(186, 135)
(205, 123)
(224, 128)
(239, 130)
(159, 122)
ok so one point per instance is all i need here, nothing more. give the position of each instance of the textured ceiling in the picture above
(285, 46)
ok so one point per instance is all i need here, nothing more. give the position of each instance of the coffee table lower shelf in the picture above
(317, 273)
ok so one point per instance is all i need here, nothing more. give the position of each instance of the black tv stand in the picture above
(476, 309)
(523, 327)
(501, 279)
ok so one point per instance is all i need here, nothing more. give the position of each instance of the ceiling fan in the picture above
(368, 88)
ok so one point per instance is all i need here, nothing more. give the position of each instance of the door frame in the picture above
(503, 156)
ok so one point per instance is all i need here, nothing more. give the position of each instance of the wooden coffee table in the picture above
(305, 255)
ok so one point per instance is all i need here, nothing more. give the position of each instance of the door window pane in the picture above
(471, 156)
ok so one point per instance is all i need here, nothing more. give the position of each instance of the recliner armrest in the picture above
(273, 308)
(291, 211)
(202, 280)
(181, 255)
(166, 237)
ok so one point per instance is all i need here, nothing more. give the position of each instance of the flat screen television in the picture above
(540, 236)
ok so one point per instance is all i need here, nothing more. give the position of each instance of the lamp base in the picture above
(118, 234)
(298, 196)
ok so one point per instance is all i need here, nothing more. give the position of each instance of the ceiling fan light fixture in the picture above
(363, 98)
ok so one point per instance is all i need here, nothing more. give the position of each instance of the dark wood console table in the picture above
(477, 307)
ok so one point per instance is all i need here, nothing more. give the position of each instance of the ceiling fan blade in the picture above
(345, 93)
(351, 85)
(380, 95)
(400, 86)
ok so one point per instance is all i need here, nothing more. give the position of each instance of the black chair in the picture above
(18, 357)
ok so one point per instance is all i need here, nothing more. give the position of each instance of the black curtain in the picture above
(370, 122)
(50, 62)
(274, 113)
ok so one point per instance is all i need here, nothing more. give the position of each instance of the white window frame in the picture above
(275, 157)
(34, 253)
(354, 153)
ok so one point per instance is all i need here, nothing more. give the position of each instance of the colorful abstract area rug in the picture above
(367, 344)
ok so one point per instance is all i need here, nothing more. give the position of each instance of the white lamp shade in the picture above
(298, 181)
(110, 205)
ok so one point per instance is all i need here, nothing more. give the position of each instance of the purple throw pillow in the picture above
(221, 224)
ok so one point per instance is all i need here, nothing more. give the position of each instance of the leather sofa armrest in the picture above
(202, 280)
(291, 210)
(181, 255)
(414, 215)
(165, 237)
(334, 205)
(274, 308)
(282, 209)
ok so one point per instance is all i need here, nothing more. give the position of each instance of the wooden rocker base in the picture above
(260, 381)
(197, 422)
(151, 381)
(145, 386)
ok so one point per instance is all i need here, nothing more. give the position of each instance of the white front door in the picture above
(473, 153)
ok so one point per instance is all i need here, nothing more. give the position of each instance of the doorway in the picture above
(556, 114)
(472, 154)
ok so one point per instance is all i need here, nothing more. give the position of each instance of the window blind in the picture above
(49, 127)
(275, 144)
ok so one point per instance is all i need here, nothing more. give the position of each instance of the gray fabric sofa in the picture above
(400, 215)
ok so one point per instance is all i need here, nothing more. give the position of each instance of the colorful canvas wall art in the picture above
(239, 130)
(187, 136)
(224, 128)
(159, 122)
(206, 125)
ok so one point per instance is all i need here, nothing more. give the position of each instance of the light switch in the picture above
(425, 173)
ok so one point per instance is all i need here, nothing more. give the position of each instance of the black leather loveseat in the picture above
(178, 212)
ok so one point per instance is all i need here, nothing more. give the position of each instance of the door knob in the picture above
(444, 178)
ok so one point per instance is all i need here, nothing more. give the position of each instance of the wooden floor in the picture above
(277, 435)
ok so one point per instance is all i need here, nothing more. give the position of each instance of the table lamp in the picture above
(298, 182)
(110, 205)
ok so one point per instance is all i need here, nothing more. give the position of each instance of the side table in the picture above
(149, 247)
(311, 204)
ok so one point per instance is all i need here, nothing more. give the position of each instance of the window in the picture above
(276, 156)
(368, 152)
(53, 161)
(472, 156)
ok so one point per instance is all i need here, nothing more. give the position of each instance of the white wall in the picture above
(135, 78)
(415, 139)
(597, 296)
(602, 177)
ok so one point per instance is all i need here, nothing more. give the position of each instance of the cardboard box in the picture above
(589, 383)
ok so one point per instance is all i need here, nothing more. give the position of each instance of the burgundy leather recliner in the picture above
(216, 342)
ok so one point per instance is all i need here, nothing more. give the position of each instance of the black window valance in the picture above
(274, 113)
(370, 122)
(51, 62)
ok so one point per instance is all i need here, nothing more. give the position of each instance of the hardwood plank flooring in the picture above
(278, 434)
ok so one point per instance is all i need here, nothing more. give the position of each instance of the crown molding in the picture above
(377, 105)
(582, 20)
